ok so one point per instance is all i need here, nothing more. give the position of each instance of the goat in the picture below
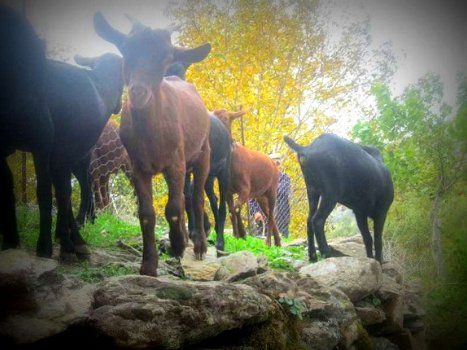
(337, 170)
(253, 175)
(220, 144)
(25, 123)
(165, 129)
(80, 101)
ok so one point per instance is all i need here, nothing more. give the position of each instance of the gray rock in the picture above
(392, 303)
(39, 302)
(237, 266)
(356, 277)
(141, 311)
(370, 315)
(200, 270)
(328, 315)
(383, 344)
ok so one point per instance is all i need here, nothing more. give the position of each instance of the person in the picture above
(282, 209)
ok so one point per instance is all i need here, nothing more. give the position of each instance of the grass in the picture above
(280, 258)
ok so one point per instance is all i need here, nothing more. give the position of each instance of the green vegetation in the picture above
(279, 258)
(424, 144)
(293, 305)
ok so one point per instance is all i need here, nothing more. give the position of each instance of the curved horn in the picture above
(191, 55)
(85, 61)
(136, 25)
(106, 32)
(237, 114)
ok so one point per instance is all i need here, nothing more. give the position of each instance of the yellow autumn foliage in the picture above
(272, 58)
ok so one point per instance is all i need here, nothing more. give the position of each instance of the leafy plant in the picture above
(293, 305)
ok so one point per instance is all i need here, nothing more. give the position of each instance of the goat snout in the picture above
(140, 95)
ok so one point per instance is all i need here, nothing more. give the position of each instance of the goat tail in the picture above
(293, 145)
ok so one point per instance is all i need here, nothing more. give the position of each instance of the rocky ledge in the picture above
(234, 302)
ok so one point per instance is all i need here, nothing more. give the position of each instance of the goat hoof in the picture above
(83, 252)
(148, 271)
(68, 258)
(221, 253)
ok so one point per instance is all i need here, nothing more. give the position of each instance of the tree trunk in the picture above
(436, 244)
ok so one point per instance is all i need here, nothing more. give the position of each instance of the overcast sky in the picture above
(429, 35)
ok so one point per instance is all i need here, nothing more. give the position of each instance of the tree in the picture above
(282, 61)
(423, 145)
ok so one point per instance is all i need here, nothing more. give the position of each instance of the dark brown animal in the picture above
(165, 129)
(253, 175)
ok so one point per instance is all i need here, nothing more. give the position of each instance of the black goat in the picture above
(221, 149)
(25, 123)
(80, 102)
(337, 170)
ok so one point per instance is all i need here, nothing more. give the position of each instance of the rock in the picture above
(370, 315)
(200, 270)
(17, 264)
(295, 243)
(405, 341)
(383, 344)
(237, 266)
(141, 311)
(393, 271)
(353, 249)
(328, 315)
(44, 302)
(356, 277)
(392, 303)
(262, 264)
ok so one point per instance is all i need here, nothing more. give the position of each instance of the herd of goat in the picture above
(58, 111)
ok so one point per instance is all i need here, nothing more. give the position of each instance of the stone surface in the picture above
(38, 302)
(200, 270)
(18, 264)
(356, 277)
(328, 315)
(139, 311)
(370, 315)
(392, 303)
(237, 266)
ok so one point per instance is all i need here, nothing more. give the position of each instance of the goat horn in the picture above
(137, 25)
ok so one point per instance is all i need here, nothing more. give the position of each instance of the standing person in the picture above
(282, 209)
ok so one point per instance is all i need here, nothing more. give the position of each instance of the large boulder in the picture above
(356, 277)
(328, 316)
(141, 311)
(37, 301)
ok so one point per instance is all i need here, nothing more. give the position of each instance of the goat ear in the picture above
(85, 61)
(191, 55)
(237, 114)
(106, 32)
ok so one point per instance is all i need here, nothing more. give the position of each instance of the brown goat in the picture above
(253, 175)
(109, 156)
(165, 129)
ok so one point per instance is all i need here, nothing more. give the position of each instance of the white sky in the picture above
(429, 35)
